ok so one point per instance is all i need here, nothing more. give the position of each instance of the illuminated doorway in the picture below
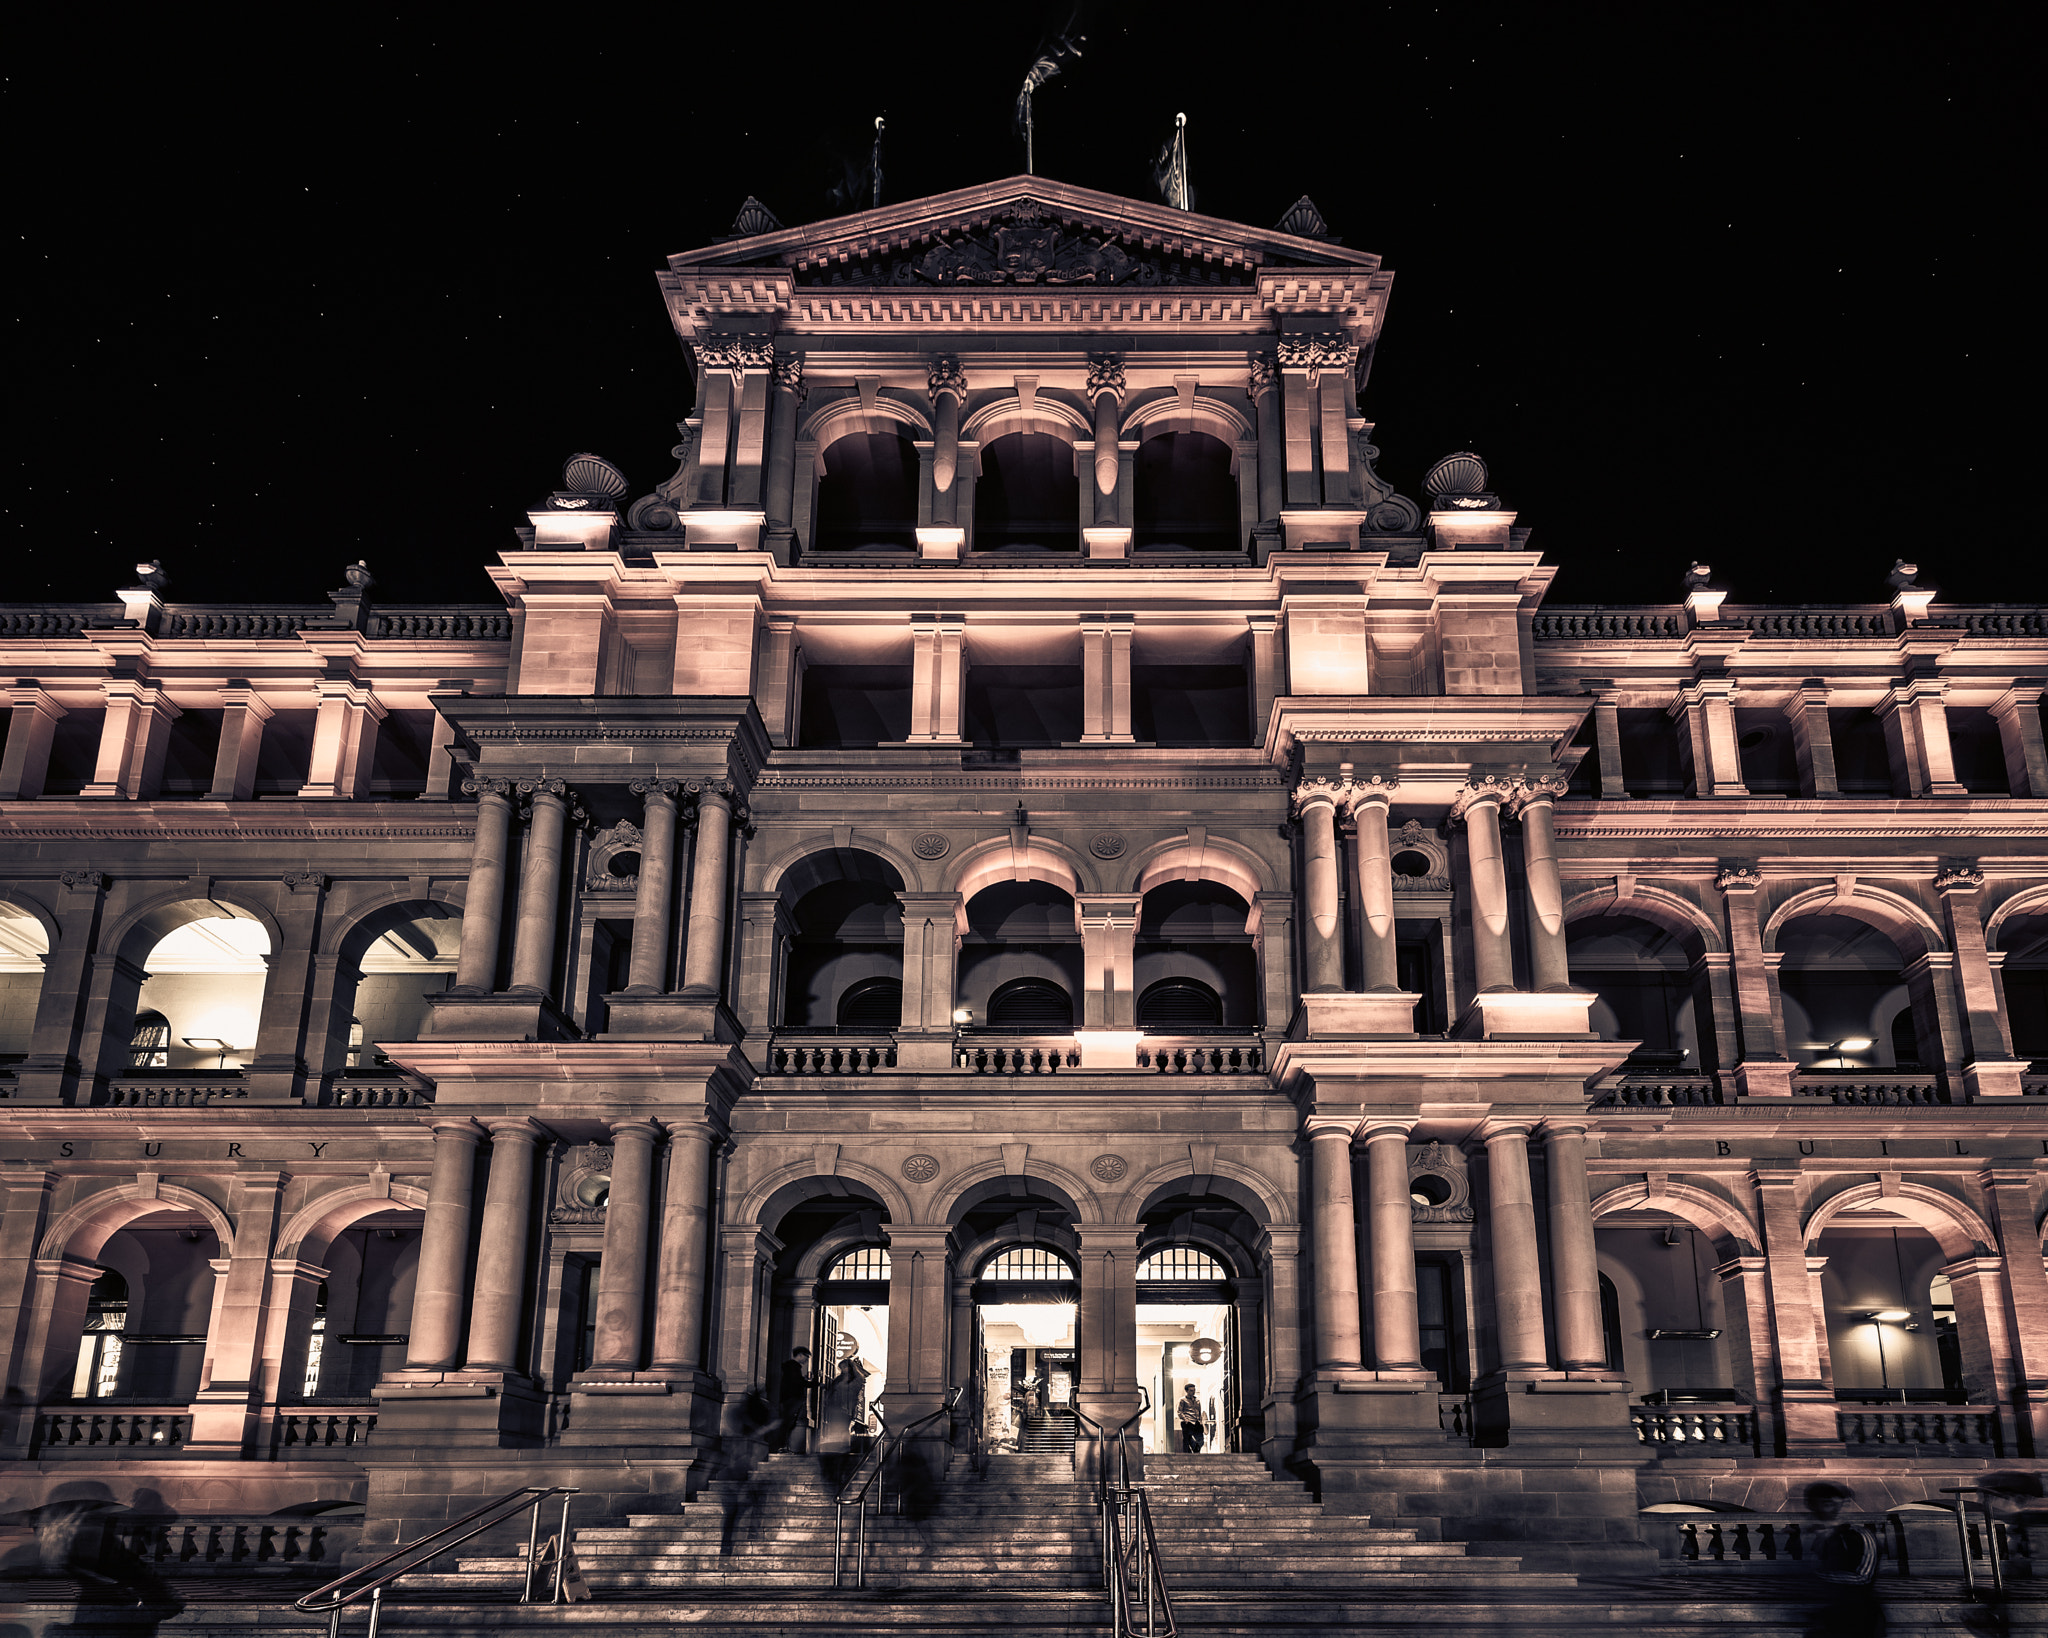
(1027, 1367)
(1187, 1339)
(853, 1324)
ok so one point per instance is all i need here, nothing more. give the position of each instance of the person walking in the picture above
(843, 1402)
(1845, 1566)
(1191, 1428)
(792, 1402)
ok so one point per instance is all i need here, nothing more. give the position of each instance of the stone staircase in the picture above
(1049, 1435)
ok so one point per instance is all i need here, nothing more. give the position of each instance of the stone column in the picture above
(1706, 714)
(1108, 924)
(1380, 945)
(276, 1067)
(931, 942)
(1976, 986)
(1268, 670)
(752, 357)
(682, 1268)
(1270, 926)
(714, 418)
(243, 715)
(704, 950)
(785, 402)
(747, 1253)
(961, 1371)
(483, 908)
(1752, 1356)
(540, 887)
(778, 678)
(1106, 1321)
(1915, 717)
(1396, 1325)
(1339, 1345)
(1536, 805)
(1263, 387)
(223, 1411)
(647, 964)
(1607, 743)
(1813, 739)
(1806, 1401)
(500, 1294)
(919, 1291)
(1486, 887)
(134, 735)
(435, 1342)
(2018, 714)
(69, 1037)
(24, 1201)
(2026, 1287)
(1298, 408)
(1106, 679)
(1279, 1259)
(344, 743)
(1574, 1265)
(31, 726)
(1316, 807)
(1760, 1059)
(1511, 1231)
(946, 385)
(937, 663)
(766, 931)
(622, 1274)
(1105, 391)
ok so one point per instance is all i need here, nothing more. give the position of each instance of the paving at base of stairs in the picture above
(1019, 1552)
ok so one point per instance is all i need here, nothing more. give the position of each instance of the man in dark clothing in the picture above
(792, 1398)
(1191, 1428)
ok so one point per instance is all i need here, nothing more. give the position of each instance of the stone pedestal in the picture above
(671, 1017)
(1337, 1016)
(454, 1016)
(1563, 1015)
(459, 1409)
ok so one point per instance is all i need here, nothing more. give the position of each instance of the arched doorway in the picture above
(1647, 976)
(142, 1336)
(24, 951)
(845, 965)
(1185, 494)
(1026, 1298)
(867, 498)
(205, 981)
(1194, 966)
(1020, 962)
(1028, 496)
(830, 1298)
(1187, 1350)
(393, 963)
(1846, 1001)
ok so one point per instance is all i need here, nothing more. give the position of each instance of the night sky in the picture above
(1735, 283)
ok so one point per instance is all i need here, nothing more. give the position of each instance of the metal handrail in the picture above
(1126, 1512)
(372, 1579)
(858, 1499)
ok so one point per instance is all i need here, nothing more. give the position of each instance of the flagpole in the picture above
(1028, 168)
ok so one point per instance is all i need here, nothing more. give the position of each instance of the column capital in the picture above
(788, 369)
(1262, 375)
(297, 1268)
(1105, 377)
(1329, 1126)
(944, 375)
(84, 881)
(734, 354)
(483, 785)
(1478, 791)
(457, 1128)
(657, 790)
(1959, 877)
(638, 1128)
(1325, 350)
(516, 1129)
(1499, 1131)
(1738, 876)
(1537, 790)
(1567, 1126)
(1377, 1127)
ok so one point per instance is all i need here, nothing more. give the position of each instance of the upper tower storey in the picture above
(1023, 367)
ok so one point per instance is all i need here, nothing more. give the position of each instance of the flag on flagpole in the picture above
(1048, 64)
(1170, 169)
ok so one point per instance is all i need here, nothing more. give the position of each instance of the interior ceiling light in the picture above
(1891, 1315)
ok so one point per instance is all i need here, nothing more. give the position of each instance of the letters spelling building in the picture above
(1025, 859)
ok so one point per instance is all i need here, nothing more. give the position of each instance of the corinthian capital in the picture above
(1105, 375)
(1958, 876)
(946, 376)
(737, 354)
(1262, 377)
(789, 373)
(1738, 876)
(1546, 787)
(1325, 350)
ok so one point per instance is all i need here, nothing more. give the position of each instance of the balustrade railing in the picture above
(90, 1430)
(59, 619)
(1717, 1540)
(1673, 1432)
(830, 1055)
(998, 1057)
(1892, 1091)
(182, 1092)
(382, 1093)
(1665, 1092)
(1170, 1055)
(1972, 1429)
(1862, 622)
(1562, 624)
(1454, 1415)
(232, 620)
(474, 625)
(176, 1543)
(302, 1434)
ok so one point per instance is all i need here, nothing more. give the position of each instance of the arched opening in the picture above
(392, 965)
(829, 1297)
(1028, 496)
(1897, 1333)
(24, 953)
(141, 1337)
(867, 498)
(1648, 978)
(1020, 961)
(1200, 1352)
(845, 966)
(2024, 974)
(356, 1327)
(1185, 494)
(1661, 1309)
(1194, 967)
(1846, 1001)
(205, 979)
(1027, 1365)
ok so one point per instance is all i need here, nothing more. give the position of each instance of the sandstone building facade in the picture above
(1027, 860)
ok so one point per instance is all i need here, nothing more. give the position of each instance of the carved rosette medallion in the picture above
(931, 845)
(921, 1168)
(1108, 845)
(1109, 1168)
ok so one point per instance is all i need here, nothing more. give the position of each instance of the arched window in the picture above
(1028, 496)
(861, 1263)
(1185, 494)
(1031, 1003)
(867, 499)
(99, 1347)
(149, 1044)
(873, 1003)
(1179, 1003)
(1180, 1264)
(1028, 1263)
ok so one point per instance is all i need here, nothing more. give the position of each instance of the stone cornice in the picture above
(1718, 819)
(54, 819)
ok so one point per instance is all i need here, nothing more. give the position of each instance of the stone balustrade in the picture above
(302, 1434)
(382, 1093)
(830, 1054)
(183, 1092)
(92, 1431)
(1046, 1056)
(1668, 1431)
(1949, 1429)
(1170, 1055)
(174, 1544)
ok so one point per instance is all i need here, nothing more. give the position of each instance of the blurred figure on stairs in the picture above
(843, 1403)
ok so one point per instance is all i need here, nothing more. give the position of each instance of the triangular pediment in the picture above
(1025, 230)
